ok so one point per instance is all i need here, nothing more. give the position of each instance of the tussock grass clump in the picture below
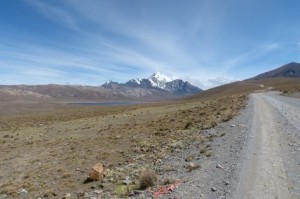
(203, 150)
(208, 153)
(168, 168)
(188, 125)
(168, 181)
(189, 158)
(147, 179)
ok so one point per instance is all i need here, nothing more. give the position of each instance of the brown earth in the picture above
(50, 153)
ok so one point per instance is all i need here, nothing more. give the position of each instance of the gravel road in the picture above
(255, 155)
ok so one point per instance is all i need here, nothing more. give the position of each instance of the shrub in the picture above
(188, 125)
(203, 150)
(147, 179)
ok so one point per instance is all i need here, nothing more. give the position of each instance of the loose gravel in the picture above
(221, 173)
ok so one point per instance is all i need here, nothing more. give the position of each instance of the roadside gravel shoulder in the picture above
(219, 173)
(254, 155)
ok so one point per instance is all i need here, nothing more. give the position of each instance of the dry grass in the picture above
(208, 153)
(61, 145)
(50, 153)
(147, 179)
(203, 150)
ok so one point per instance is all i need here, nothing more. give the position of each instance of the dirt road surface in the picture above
(254, 156)
(272, 167)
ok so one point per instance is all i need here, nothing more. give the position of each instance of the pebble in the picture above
(97, 192)
(23, 191)
(219, 166)
(213, 189)
(68, 195)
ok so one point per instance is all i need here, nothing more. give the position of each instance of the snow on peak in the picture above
(108, 82)
(138, 80)
(159, 80)
(160, 77)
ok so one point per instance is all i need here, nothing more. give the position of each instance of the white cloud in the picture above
(54, 13)
(45, 73)
(272, 46)
(156, 39)
(123, 42)
(220, 80)
(210, 83)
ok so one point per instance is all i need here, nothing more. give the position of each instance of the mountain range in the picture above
(156, 87)
(158, 81)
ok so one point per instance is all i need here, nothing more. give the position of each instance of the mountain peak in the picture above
(159, 80)
(110, 84)
(160, 77)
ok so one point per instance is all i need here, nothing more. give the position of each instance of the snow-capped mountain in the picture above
(159, 81)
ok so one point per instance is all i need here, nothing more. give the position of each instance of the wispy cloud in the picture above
(199, 41)
(45, 62)
(151, 37)
(148, 47)
(250, 55)
(54, 13)
(272, 46)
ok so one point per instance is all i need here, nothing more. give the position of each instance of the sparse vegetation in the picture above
(189, 158)
(188, 125)
(208, 153)
(62, 144)
(168, 181)
(168, 168)
(48, 152)
(147, 179)
(203, 150)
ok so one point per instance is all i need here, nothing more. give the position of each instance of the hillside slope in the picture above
(289, 70)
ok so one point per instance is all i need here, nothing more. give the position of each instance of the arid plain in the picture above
(50, 153)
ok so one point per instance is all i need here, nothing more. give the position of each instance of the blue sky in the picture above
(88, 42)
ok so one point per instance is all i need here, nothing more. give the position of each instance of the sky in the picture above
(88, 42)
